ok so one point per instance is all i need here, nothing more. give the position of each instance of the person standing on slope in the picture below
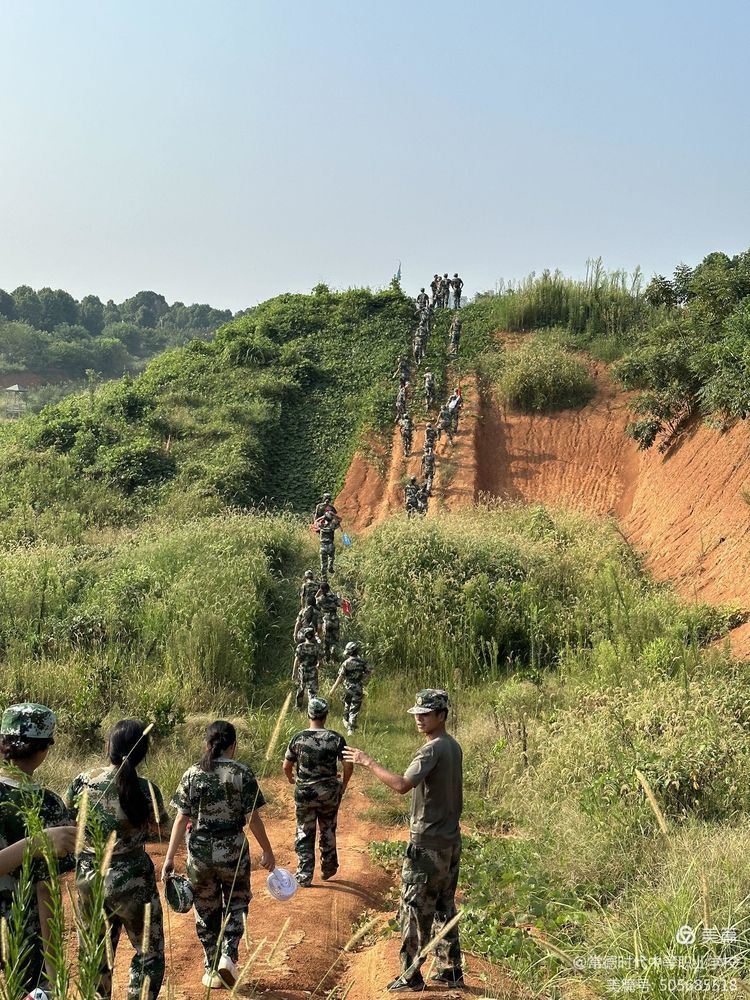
(354, 673)
(132, 808)
(27, 732)
(327, 526)
(215, 798)
(305, 667)
(318, 790)
(429, 876)
(457, 285)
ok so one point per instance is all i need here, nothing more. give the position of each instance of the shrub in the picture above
(538, 377)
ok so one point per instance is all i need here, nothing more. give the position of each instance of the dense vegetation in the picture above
(681, 342)
(48, 330)
(271, 409)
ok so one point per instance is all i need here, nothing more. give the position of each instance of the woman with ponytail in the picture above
(123, 803)
(217, 797)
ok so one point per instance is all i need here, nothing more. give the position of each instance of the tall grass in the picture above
(537, 377)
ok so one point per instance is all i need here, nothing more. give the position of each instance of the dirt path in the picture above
(308, 956)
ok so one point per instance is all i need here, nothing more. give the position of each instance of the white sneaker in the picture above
(228, 971)
(211, 981)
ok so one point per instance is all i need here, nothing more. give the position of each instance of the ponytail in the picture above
(127, 748)
(220, 736)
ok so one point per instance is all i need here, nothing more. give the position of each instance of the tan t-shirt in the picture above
(437, 800)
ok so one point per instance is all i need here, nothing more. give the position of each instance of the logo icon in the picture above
(685, 934)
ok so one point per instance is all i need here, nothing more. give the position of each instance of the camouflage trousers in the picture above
(331, 635)
(129, 885)
(428, 888)
(316, 808)
(327, 553)
(353, 698)
(31, 949)
(221, 891)
(308, 681)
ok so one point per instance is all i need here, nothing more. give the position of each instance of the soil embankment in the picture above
(685, 510)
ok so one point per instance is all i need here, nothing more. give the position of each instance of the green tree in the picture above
(57, 307)
(92, 314)
(28, 306)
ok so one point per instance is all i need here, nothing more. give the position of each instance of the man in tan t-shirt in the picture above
(430, 871)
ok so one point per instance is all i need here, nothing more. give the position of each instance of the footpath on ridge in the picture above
(684, 511)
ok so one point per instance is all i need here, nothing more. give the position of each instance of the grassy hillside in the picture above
(270, 411)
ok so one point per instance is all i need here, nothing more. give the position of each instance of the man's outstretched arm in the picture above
(395, 781)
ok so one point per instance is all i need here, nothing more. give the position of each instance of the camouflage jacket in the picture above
(104, 803)
(18, 793)
(354, 672)
(327, 533)
(308, 654)
(308, 617)
(329, 603)
(316, 753)
(444, 418)
(308, 589)
(218, 803)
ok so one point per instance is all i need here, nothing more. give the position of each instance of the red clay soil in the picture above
(684, 511)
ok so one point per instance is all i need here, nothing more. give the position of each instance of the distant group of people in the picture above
(442, 288)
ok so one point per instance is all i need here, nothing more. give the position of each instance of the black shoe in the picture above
(411, 985)
(328, 875)
(453, 977)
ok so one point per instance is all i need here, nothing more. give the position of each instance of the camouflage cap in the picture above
(429, 700)
(33, 722)
(317, 708)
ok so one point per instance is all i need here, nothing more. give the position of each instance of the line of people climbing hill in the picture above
(117, 810)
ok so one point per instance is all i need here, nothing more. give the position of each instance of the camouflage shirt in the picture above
(308, 654)
(218, 803)
(19, 793)
(354, 672)
(329, 603)
(308, 589)
(327, 533)
(104, 801)
(308, 617)
(316, 753)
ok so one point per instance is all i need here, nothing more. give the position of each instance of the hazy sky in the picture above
(225, 151)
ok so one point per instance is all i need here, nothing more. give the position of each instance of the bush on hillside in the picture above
(538, 378)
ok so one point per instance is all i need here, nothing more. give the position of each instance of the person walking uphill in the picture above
(315, 752)
(430, 870)
(26, 734)
(305, 667)
(354, 673)
(217, 796)
(123, 803)
(327, 526)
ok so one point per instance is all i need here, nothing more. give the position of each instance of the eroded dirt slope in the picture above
(684, 511)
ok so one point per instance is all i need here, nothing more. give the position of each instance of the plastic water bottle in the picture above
(37, 995)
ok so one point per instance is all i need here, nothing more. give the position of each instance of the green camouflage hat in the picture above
(317, 708)
(179, 893)
(33, 722)
(429, 700)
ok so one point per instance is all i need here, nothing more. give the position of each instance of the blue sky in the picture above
(226, 151)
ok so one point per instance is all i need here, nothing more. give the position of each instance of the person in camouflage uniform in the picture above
(411, 494)
(423, 300)
(309, 588)
(329, 604)
(327, 526)
(129, 806)
(429, 876)
(457, 284)
(308, 617)
(26, 734)
(315, 752)
(455, 334)
(430, 436)
(429, 390)
(428, 467)
(325, 504)
(305, 669)
(216, 797)
(445, 424)
(455, 405)
(354, 674)
(401, 401)
(402, 370)
(407, 429)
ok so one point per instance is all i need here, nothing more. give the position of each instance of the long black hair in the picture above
(127, 748)
(220, 736)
